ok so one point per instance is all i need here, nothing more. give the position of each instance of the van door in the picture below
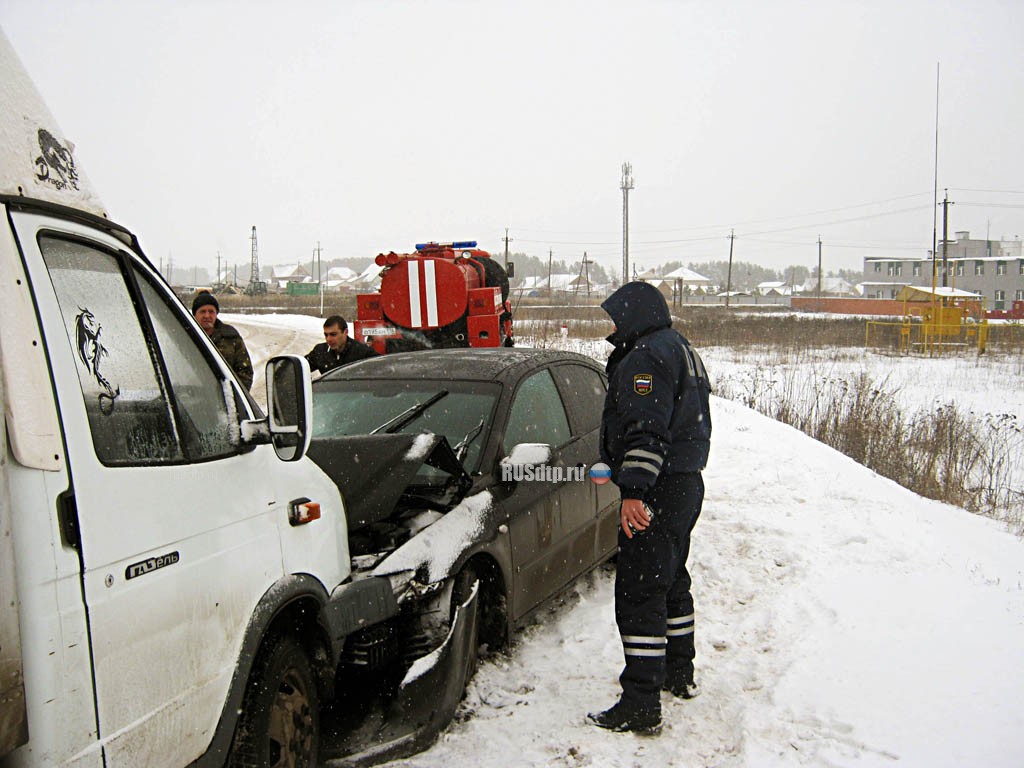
(177, 521)
(13, 715)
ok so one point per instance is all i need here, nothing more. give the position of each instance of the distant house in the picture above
(833, 286)
(773, 288)
(367, 281)
(687, 278)
(339, 278)
(280, 276)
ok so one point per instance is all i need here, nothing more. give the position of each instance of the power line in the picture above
(706, 238)
(734, 224)
(993, 191)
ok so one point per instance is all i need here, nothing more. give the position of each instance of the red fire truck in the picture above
(443, 295)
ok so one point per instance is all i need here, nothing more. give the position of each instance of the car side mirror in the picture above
(289, 409)
(523, 461)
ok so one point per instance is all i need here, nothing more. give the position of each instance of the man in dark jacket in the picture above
(228, 341)
(655, 435)
(337, 349)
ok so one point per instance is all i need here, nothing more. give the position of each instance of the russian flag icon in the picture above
(600, 473)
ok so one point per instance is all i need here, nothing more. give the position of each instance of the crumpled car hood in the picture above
(374, 472)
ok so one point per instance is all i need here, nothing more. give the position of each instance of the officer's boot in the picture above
(628, 717)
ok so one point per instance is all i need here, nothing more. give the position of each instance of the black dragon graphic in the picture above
(92, 352)
(56, 164)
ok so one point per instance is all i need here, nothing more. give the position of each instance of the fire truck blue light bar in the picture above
(461, 244)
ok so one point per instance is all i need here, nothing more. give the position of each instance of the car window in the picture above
(537, 414)
(583, 390)
(358, 407)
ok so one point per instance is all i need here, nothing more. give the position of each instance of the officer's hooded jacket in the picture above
(656, 415)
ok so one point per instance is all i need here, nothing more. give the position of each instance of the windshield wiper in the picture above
(463, 446)
(397, 422)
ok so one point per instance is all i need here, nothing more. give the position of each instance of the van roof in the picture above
(37, 160)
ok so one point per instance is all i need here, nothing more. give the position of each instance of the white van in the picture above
(171, 591)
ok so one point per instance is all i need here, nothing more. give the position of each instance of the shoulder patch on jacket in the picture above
(643, 383)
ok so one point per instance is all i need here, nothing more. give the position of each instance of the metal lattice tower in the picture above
(625, 186)
(255, 284)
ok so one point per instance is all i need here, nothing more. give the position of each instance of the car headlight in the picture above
(400, 581)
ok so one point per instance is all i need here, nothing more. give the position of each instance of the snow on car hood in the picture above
(439, 546)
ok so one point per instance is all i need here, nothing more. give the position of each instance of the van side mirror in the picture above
(289, 406)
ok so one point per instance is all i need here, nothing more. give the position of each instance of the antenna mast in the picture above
(256, 286)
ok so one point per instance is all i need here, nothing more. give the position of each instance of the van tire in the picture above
(279, 723)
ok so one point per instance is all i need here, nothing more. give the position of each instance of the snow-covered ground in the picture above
(841, 621)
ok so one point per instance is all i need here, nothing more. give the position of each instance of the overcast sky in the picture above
(371, 126)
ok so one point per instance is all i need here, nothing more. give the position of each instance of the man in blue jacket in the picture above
(655, 435)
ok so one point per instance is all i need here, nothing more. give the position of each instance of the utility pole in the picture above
(945, 236)
(217, 280)
(625, 186)
(320, 279)
(935, 184)
(584, 273)
(728, 279)
(819, 273)
(507, 241)
(551, 254)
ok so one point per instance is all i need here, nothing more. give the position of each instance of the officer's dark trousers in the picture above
(653, 604)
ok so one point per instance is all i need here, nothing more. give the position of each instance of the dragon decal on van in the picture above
(92, 352)
(55, 165)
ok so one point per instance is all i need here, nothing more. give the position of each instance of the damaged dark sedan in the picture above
(465, 479)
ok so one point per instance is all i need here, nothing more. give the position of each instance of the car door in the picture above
(543, 511)
(583, 389)
(175, 522)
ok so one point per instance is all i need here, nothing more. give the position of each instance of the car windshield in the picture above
(365, 406)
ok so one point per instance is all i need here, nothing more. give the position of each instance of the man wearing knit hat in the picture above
(227, 340)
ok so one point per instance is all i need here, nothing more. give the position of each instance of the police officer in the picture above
(655, 435)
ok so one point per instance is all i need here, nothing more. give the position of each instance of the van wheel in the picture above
(461, 591)
(279, 726)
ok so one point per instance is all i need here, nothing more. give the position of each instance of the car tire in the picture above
(279, 724)
(461, 590)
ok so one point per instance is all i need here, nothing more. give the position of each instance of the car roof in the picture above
(492, 364)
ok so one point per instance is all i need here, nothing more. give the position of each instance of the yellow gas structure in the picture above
(935, 321)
